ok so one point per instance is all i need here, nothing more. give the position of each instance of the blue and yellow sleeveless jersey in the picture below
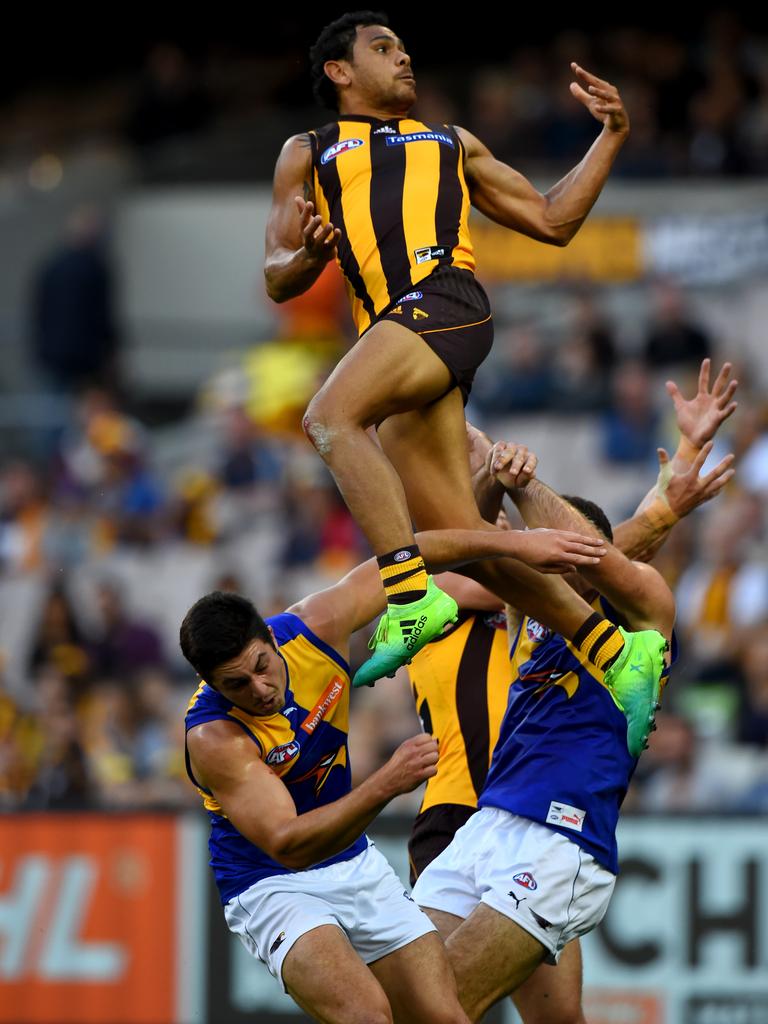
(305, 744)
(562, 758)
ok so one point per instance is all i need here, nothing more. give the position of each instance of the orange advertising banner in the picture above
(87, 919)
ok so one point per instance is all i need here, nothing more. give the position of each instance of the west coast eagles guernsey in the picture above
(397, 191)
(305, 744)
(561, 758)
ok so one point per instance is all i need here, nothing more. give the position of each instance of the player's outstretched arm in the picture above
(680, 487)
(636, 591)
(334, 614)
(508, 198)
(260, 807)
(298, 244)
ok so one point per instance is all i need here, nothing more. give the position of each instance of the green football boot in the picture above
(634, 681)
(403, 630)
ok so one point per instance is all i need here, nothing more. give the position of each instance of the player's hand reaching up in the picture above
(601, 99)
(698, 418)
(320, 240)
(556, 550)
(684, 492)
(414, 761)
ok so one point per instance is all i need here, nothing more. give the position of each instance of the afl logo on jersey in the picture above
(537, 633)
(340, 147)
(282, 754)
(526, 879)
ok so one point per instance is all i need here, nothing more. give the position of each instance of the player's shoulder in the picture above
(291, 626)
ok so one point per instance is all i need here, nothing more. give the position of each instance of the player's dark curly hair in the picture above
(592, 512)
(335, 42)
(217, 628)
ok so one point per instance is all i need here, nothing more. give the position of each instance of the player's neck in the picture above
(360, 108)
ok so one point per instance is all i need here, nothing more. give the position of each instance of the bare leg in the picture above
(329, 981)
(390, 370)
(419, 983)
(552, 994)
(428, 448)
(491, 956)
(445, 923)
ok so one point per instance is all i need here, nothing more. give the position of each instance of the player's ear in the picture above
(338, 71)
(272, 634)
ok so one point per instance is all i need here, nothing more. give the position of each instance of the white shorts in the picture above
(545, 883)
(362, 896)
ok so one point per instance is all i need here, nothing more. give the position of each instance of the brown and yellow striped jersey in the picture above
(460, 682)
(396, 189)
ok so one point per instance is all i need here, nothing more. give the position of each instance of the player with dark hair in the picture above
(266, 741)
(461, 680)
(389, 197)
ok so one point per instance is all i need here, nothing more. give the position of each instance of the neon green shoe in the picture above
(403, 630)
(634, 681)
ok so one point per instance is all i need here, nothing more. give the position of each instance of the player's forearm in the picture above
(316, 835)
(489, 495)
(571, 199)
(288, 274)
(448, 549)
(640, 537)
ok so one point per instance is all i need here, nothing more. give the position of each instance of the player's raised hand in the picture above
(511, 465)
(699, 418)
(414, 761)
(479, 444)
(553, 551)
(601, 99)
(320, 240)
(686, 491)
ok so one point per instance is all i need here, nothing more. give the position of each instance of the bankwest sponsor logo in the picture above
(329, 697)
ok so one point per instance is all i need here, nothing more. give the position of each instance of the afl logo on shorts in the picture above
(526, 879)
(537, 633)
(340, 147)
(282, 754)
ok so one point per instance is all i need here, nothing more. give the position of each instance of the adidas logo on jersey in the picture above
(412, 630)
(419, 314)
(385, 130)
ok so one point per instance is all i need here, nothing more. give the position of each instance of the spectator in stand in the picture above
(123, 645)
(60, 643)
(753, 662)
(24, 518)
(631, 426)
(75, 336)
(674, 338)
(171, 102)
(518, 377)
(725, 590)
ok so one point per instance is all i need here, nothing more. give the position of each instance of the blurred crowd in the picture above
(110, 527)
(697, 93)
(113, 540)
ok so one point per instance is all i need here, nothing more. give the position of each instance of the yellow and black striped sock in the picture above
(403, 575)
(599, 640)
